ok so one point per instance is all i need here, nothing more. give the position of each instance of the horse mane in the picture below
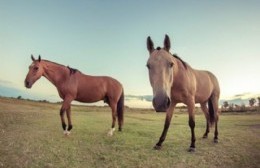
(177, 57)
(183, 62)
(72, 70)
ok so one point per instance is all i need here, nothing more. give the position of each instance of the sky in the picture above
(109, 38)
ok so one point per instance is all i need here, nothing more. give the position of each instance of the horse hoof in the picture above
(66, 133)
(215, 140)
(205, 136)
(191, 149)
(157, 147)
(111, 132)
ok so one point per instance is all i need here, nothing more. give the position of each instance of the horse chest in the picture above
(66, 90)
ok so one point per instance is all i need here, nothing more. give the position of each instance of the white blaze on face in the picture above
(160, 65)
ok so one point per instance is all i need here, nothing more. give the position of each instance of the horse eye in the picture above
(36, 68)
(171, 64)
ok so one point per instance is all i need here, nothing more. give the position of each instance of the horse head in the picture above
(35, 72)
(161, 67)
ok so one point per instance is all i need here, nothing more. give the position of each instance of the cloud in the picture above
(245, 95)
(148, 98)
(6, 83)
(239, 99)
(9, 91)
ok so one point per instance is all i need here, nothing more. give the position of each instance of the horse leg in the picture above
(191, 108)
(206, 113)
(63, 124)
(166, 127)
(68, 112)
(216, 130)
(215, 107)
(120, 111)
(113, 109)
(64, 107)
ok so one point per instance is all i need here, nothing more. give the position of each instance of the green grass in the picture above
(31, 136)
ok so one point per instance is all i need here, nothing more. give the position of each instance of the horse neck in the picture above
(55, 73)
(180, 72)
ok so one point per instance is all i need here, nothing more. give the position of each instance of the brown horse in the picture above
(174, 81)
(74, 85)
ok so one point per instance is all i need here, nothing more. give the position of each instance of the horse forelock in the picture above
(175, 56)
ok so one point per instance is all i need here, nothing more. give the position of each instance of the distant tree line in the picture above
(21, 98)
(253, 105)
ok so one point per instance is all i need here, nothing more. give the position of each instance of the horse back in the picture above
(95, 88)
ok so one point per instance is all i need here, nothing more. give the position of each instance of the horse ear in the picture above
(39, 58)
(149, 44)
(33, 59)
(167, 43)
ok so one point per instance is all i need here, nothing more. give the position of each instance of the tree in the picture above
(19, 97)
(252, 102)
(243, 107)
(258, 98)
(225, 104)
(231, 107)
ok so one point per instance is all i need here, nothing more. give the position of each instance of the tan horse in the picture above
(174, 81)
(74, 85)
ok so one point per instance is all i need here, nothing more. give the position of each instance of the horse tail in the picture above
(211, 112)
(120, 111)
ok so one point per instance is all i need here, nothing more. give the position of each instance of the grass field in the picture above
(31, 136)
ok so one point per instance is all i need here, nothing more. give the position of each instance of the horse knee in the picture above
(62, 111)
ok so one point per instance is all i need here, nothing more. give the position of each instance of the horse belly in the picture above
(90, 95)
(201, 98)
(204, 88)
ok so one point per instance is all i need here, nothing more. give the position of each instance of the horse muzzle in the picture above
(27, 84)
(161, 103)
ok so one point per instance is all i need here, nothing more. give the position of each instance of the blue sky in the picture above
(109, 38)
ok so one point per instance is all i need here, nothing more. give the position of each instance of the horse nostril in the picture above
(161, 103)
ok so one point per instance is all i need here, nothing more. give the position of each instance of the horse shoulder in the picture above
(68, 87)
